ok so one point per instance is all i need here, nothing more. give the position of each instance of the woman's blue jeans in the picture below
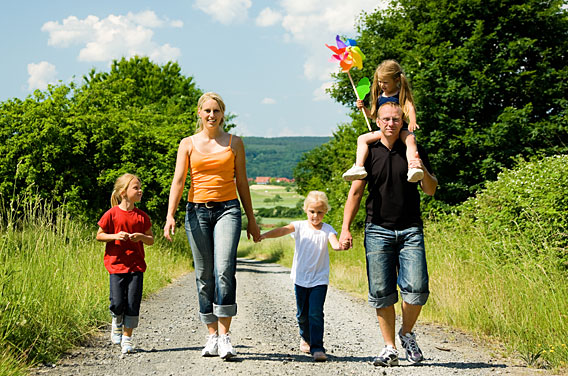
(309, 302)
(213, 232)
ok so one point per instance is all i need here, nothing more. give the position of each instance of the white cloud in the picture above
(41, 74)
(149, 19)
(225, 11)
(113, 37)
(268, 101)
(313, 23)
(268, 17)
(320, 94)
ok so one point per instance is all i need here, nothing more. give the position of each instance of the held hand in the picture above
(346, 240)
(413, 126)
(254, 231)
(169, 228)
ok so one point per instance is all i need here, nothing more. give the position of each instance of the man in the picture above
(394, 240)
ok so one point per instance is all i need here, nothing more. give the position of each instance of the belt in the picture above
(208, 205)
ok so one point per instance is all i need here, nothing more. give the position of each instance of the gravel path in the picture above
(265, 335)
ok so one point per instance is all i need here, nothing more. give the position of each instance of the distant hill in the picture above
(277, 156)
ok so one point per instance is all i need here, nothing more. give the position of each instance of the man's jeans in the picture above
(396, 257)
(214, 234)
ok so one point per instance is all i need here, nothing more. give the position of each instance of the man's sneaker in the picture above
(211, 347)
(304, 346)
(127, 345)
(116, 334)
(414, 175)
(226, 350)
(354, 173)
(387, 358)
(413, 352)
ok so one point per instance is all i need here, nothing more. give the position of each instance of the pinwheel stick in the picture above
(362, 109)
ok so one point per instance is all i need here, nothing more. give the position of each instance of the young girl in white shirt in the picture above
(310, 270)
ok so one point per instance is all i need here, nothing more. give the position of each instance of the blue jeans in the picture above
(214, 233)
(125, 297)
(309, 302)
(396, 257)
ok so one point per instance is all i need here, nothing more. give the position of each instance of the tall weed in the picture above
(54, 287)
(521, 301)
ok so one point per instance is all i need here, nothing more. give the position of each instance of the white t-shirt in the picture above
(310, 267)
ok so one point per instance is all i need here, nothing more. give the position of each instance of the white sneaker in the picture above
(387, 358)
(354, 173)
(226, 350)
(415, 174)
(116, 334)
(127, 345)
(413, 352)
(211, 348)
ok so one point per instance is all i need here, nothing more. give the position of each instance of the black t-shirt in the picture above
(393, 202)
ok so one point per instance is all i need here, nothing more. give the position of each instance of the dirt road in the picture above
(265, 335)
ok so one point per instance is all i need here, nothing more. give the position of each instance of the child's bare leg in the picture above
(414, 174)
(363, 143)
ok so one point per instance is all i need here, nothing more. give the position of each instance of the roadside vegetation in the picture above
(498, 263)
(54, 287)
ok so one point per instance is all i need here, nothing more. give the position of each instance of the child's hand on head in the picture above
(413, 126)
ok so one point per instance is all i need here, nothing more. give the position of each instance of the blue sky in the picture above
(267, 59)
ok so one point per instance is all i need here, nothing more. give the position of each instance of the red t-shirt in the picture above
(124, 256)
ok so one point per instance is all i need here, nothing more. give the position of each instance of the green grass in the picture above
(54, 287)
(521, 301)
(523, 305)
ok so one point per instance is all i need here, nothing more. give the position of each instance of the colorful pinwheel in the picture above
(349, 56)
(347, 53)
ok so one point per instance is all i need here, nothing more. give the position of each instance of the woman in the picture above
(216, 162)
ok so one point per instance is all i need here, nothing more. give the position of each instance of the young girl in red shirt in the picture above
(125, 229)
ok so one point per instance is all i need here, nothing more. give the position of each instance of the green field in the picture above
(261, 192)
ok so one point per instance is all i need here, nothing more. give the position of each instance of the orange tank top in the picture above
(212, 175)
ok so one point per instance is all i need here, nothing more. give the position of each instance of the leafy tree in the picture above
(69, 143)
(489, 78)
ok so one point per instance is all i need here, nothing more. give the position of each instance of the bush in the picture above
(530, 201)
